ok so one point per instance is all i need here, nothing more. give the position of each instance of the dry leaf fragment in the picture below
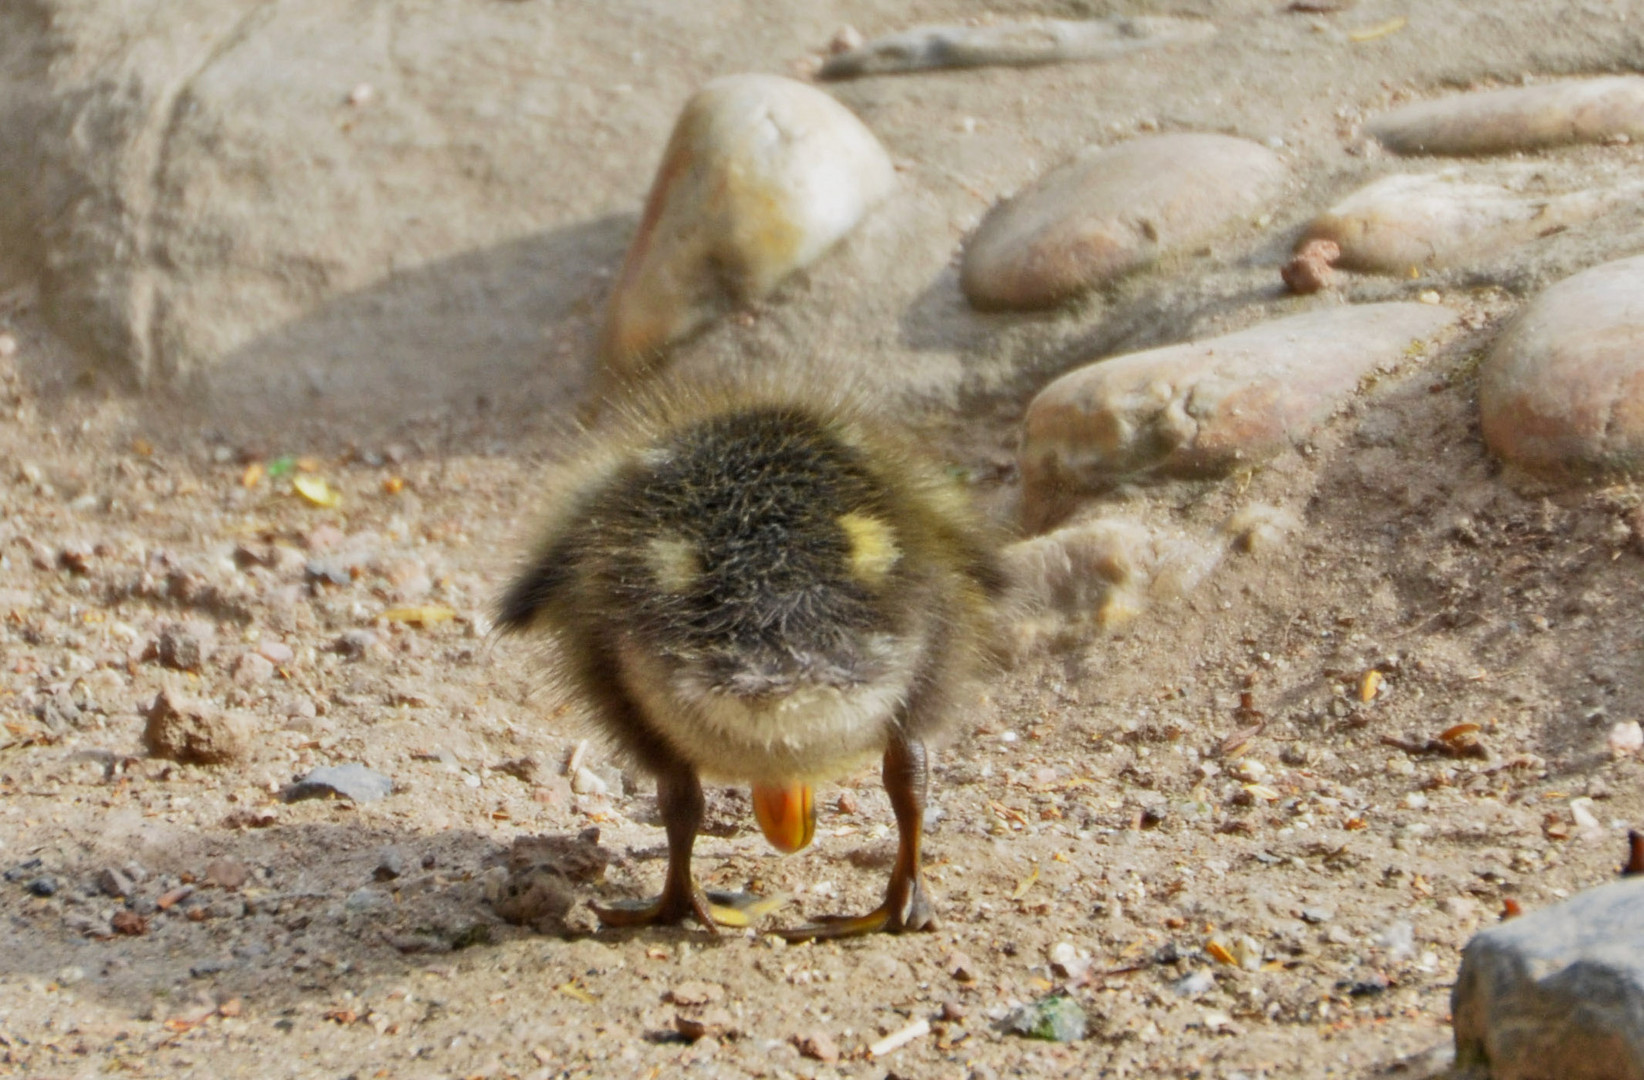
(316, 490)
(1380, 30)
(1025, 884)
(420, 614)
(1235, 743)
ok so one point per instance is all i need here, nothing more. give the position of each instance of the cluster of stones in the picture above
(764, 174)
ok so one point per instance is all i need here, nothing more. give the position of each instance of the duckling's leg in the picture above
(907, 903)
(679, 797)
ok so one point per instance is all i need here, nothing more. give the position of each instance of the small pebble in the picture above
(1399, 939)
(587, 782)
(115, 882)
(390, 865)
(187, 729)
(1626, 737)
(695, 992)
(818, 1046)
(44, 885)
(252, 670)
(355, 644)
(1310, 268)
(180, 649)
(351, 781)
(276, 652)
(129, 923)
(226, 873)
(1460, 908)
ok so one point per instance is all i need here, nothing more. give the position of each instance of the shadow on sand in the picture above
(506, 333)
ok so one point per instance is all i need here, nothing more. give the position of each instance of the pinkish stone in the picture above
(1563, 388)
(1432, 221)
(1520, 118)
(1208, 406)
(1111, 210)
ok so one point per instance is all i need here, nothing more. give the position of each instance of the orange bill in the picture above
(786, 814)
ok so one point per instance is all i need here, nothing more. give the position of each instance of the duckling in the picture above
(769, 591)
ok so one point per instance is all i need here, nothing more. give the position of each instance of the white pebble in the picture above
(587, 782)
(1626, 737)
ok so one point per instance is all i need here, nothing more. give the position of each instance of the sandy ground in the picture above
(1096, 797)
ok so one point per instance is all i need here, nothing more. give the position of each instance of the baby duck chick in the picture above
(764, 591)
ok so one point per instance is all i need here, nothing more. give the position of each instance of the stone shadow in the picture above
(311, 920)
(505, 334)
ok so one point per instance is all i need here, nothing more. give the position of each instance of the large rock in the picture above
(201, 171)
(1438, 220)
(761, 176)
(1109, 211)
(1557, 994)
(360, 197)
(1520, 118)
(1205, 407)
(1563, 388)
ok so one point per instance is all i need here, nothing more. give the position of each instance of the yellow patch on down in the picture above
(873, 547)
(673, 562)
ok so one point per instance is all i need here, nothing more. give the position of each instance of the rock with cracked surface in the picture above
(1206, 407)
(1558, 992)
(1563, 388)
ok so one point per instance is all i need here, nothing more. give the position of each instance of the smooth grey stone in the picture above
(1558, 992)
